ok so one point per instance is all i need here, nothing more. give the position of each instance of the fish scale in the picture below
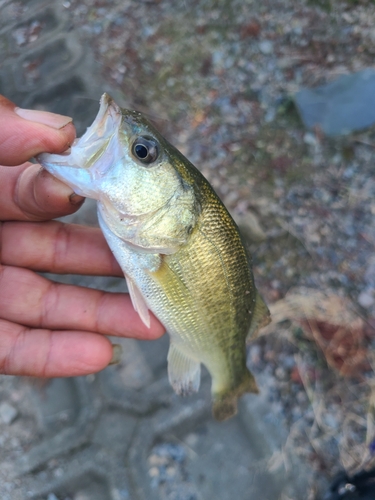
(179, 248)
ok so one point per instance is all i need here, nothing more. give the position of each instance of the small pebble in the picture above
(310, 139)
(301, 397)
(192, 439)
(171, 471)
(58, 472)
(153, 472)
(266, 47)
(82, 495)
(280, 373)
(7, 413)
(330, 420)
(297, 412)
(156, 460)
(289, 361)
(366, 299)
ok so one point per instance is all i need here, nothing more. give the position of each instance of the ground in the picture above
(218, 78)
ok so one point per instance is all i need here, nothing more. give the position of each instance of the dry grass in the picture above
(342, 397)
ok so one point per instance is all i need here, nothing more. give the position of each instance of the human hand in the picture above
(49, 329)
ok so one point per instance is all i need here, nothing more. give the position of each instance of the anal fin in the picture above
(184, 373)
(138, 302)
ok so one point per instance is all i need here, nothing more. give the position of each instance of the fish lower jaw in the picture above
(77, 179)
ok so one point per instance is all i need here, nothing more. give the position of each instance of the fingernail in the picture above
(76, 199)
(45, 117)
(116, 354)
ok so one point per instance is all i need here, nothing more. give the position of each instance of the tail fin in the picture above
(225, 405)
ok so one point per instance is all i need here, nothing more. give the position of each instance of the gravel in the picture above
(218, 79)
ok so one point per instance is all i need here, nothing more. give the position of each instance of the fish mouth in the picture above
(84, 151)
(79, 165)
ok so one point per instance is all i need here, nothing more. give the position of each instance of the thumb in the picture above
(25, 133)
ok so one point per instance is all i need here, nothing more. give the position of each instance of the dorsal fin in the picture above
(261, 317)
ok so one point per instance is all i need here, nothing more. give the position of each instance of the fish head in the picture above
(125, 164)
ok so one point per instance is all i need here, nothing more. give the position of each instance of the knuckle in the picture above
(61, 246)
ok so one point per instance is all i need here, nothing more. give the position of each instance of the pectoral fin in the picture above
(184, 373)
(261, 317)
(138, 302)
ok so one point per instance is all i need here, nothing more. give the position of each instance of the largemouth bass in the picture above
(180, 250)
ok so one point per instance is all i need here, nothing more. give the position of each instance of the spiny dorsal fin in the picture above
(261, 317)
(184, 373)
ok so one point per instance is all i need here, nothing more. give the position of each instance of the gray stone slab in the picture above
(56, 404)
(340, 107)
(88, 482)
(183, 416)
(217, 460)
(70, 437)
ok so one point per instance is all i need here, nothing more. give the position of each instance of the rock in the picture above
(286, 62)
(81, 495)
(7, 413)
(251, 29)
(280, 373)
(339, 107)
(366, 298)
(266, 47)
(330, 420)
(154, 472)
(52, 496)
(310, 139)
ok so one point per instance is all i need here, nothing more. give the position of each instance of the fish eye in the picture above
(145, 150)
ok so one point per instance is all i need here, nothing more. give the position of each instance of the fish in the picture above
(181, 252)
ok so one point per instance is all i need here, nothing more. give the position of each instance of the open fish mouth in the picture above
(86, 151)
(82, 151)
